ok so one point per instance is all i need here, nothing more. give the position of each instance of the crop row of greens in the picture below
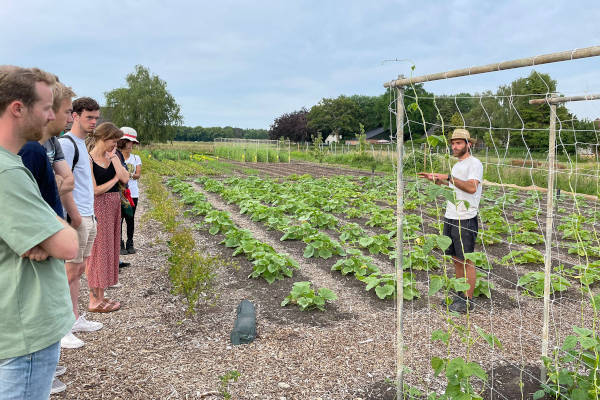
(298, 220)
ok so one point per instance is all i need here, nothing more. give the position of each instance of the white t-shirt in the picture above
(132, 162)
(83, 193)
(467, 169)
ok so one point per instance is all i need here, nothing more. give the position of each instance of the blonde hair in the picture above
(60, 92)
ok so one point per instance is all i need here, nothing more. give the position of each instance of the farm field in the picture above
(302, 222)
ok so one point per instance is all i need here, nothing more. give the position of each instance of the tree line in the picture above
(496, 118)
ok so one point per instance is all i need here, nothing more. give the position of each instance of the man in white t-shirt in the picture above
(460, 222)
(79, 205)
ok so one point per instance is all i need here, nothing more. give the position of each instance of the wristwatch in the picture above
(449, 177)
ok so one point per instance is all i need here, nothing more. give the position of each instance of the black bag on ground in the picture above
(244, 328)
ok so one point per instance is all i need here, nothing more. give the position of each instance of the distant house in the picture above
(332, 138)
(378, 135)
(374, 136)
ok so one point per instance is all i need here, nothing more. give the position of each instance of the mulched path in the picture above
(151, 349)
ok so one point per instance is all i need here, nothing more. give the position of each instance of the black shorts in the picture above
(463, 234)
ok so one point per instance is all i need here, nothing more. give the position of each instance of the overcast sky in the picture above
(244, 63)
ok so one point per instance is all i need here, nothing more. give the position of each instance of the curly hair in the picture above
(85, 104)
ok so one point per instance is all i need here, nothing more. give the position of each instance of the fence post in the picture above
(549, 223)
(399, 243)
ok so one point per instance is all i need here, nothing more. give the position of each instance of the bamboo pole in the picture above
(399, 243)
(557, 100)
(522, 62)
(549, 224)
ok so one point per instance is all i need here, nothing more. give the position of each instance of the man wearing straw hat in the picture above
(460, 220)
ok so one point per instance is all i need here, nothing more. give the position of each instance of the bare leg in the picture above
(466, 268)
(74, 272)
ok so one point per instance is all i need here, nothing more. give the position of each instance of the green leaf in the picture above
(441, 335)
(587, 342)
(473, 368)
(213, 230)
(582, 331)
(304, 302)
(570, 343)
(492, 340)
(327, 294)
(366, 241)
(538, 395)
(384, 291)
(437, 364)
(433, 140)
(325, 253)
(435, 284)
(309, 251)
(443, 242)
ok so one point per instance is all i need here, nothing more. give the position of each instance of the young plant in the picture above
(533, 283)
(219, 221)
(298, 232)
(351, 232)
(529, 256)
(574, 370)
(458, 371)
(480, 260)
(356, 264)
(385, 285)
(230, 376)
(273, 266)
(529, 238)
(377, 244)
(584, 249)
(306, 298)
(321, 245)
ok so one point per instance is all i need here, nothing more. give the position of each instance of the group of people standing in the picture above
(64, 199)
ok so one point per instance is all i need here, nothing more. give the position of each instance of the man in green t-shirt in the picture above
(35, 305)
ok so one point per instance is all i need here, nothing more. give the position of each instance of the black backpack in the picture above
(76, 155)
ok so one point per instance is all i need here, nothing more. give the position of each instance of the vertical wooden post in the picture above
(399, 243)
(549, 224)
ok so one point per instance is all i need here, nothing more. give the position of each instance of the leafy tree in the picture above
(292, 126)
(341, 115)
(521, 114)
(367, 114)
(145, 105)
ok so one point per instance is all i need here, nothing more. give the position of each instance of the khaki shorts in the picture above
(86, 234)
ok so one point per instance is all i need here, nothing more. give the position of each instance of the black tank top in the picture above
(104, 175)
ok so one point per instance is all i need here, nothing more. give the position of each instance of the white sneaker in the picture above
(71, 341)
(60, 369)
(83, 325)
(57, 386)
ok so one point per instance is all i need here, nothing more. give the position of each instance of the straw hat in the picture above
(462, 134)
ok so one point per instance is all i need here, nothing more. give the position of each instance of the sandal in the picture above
(113, 303)
(105, 307)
